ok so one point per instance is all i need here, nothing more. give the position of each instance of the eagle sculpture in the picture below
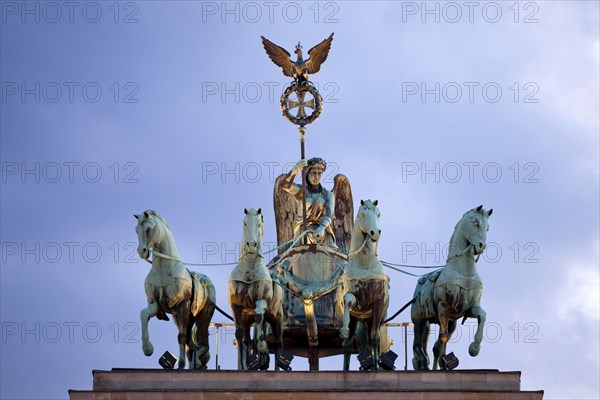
(299, 69)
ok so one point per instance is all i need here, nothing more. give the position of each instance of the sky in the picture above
(112, 108)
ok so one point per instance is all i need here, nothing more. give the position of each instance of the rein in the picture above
(168, 257)
(294, 242)
(357, 251)
(461, 253)
(393, 265)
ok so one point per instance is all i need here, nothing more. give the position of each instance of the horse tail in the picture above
(212, 294)
(204, 296)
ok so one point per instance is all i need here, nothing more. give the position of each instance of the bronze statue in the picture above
(171, 288)
(363, 296)
(299, 69)
(254, 297)
(328, 221)
(454, 292)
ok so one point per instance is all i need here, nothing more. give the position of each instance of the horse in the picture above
(254, 297)
(170, 288)
(363, 295)
(443, 296)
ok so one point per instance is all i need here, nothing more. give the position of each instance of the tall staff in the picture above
(301, 86)
(302, 130)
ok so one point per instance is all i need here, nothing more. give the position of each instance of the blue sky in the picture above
(108, 110)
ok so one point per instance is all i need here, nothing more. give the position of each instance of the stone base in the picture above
(151, 384)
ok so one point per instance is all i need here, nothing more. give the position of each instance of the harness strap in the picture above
(461, 253)
(168, 257)
(224, 313)
(355, 252)
(399, 311)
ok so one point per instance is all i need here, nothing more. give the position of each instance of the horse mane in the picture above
(157, 216)
(354, 239)
(454, 233)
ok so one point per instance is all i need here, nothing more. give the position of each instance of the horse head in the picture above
(366, 228)
(148, 231)
(253, 232)
(471, 232)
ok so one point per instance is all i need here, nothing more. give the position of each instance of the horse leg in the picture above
(181, 322)
(261, 342)
(145, 315)
(276, 322)
(259, 318)
(349, 302)
(201, 352)
(419, 359)
(439, 348)
(248, 345)
(192, 342)
(370, 329)
(418, 356)
(347, 343)
(378, 314)
(421, 337)
(239, 336)
(479, 313)
(442, 311)
(425, 341)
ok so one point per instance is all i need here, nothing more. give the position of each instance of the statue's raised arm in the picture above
(325, 218)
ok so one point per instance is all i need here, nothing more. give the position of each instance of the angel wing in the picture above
(279, 56)
(317, 54)
(284, 205)
(343, 221)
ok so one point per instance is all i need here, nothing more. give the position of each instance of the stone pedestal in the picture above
(153, 384)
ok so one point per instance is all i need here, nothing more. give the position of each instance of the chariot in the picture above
(313, 277)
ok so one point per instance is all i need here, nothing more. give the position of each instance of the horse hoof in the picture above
(344, 333)
(416, 365)
(474, 349)
(148, 349)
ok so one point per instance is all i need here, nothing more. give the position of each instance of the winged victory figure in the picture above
(330, 210)
(300, 68)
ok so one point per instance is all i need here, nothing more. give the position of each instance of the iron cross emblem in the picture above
(301, 104)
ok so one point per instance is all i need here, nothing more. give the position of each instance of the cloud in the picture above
(565, 62)
(580, 294)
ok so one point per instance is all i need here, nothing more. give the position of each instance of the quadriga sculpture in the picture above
(170, 288)
(254, 297)
(454, 292)
(363, 295)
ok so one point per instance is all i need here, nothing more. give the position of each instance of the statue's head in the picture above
(298, 50)
(316, 167)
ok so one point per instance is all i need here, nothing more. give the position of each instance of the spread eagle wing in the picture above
(284, 205)
(343, 221)
(318, 55)
(279, 56)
